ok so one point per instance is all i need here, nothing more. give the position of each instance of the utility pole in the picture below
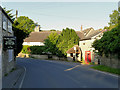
(16, 14)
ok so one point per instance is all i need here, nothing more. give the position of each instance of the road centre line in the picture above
(72, 68)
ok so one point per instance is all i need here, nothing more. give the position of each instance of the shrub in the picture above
(39, 50)
(25, 49)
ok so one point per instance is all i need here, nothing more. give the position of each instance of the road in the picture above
(61, 74)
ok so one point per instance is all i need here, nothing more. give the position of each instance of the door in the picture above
(87, 57)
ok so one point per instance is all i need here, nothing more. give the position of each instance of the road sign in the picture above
(9, 42)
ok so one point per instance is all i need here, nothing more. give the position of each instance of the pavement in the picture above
(13, 78)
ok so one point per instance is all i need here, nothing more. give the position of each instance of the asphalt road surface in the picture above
(61, 74)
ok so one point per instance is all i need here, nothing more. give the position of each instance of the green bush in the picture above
(39, 50)
(25, 49)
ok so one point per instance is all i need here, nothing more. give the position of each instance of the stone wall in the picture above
(40, 56)
(7, 64)
(22, 55)
(110, 61)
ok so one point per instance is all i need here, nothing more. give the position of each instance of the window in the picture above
(10, 55)
(4, 22)
(9, 26)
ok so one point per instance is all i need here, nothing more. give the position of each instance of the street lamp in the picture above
(75, 52)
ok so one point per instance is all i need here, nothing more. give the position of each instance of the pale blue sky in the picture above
(59, 15)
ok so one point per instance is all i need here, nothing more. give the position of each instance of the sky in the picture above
(59, 15)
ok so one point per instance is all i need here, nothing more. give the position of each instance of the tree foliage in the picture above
(113, 19)
(51, 42)
(59, 44)
(25, 23)
(10, 14)
(109, 43)
(22, 27)
(67, 40)
(20, 36)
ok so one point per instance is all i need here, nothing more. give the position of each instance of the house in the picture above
(87, 31)
(86, 44)
(37, 38)
(7, 43)
(74, 53)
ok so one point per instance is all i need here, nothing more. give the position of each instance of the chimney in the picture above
(81, 27)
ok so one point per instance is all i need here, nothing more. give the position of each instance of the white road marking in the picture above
(22, 79)
(72, 68)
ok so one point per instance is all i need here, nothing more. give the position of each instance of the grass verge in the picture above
(107, 69)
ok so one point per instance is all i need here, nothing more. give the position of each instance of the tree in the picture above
(67, 40)
(109, 43)
(113, 19)
(21, 28)
(11, 15)
(50, 43)
(25, 24)
(59, 44)
(20, 36)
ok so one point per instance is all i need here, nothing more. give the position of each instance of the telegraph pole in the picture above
(16, 14)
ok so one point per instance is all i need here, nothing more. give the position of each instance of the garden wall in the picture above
(40, 56)
(111, 61)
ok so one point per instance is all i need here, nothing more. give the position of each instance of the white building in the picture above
(86, 45)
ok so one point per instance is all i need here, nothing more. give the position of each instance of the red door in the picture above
(87, 57)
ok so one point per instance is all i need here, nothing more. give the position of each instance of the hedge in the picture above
(39, 50)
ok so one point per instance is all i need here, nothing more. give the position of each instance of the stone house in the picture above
(86, 44)
(7, 62)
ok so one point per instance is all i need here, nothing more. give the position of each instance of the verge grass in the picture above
(107, 69)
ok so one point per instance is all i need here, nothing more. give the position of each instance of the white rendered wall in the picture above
(33, 43)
